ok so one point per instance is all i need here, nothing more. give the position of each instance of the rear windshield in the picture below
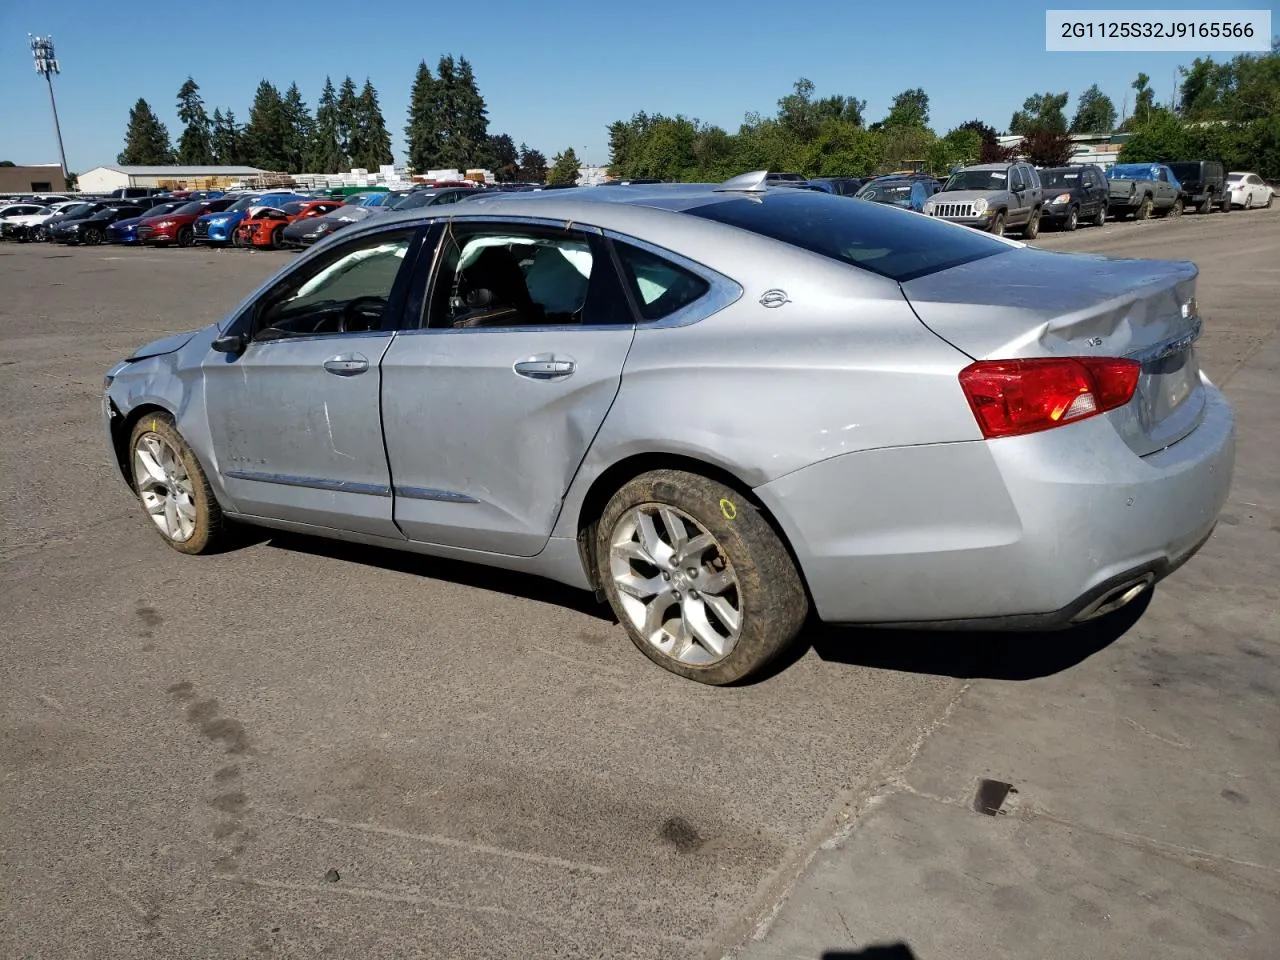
(883, 239)
(1185, 171)
(1060, 178)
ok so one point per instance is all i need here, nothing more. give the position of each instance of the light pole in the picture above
(47, 66)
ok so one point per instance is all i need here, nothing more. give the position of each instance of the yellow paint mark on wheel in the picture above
(153, 424)
(728, 509)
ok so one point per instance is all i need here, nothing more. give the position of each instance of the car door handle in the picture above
(347, 366)
(545, 367)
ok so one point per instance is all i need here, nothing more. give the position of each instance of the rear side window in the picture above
(877, 237)
(659, 287)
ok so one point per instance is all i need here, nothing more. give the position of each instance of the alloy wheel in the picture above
(165, 487)
(676, 584)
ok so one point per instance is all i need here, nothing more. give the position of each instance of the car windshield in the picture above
(1062, 179)
(293, 207)
(978, 180)
(195, 206)
(422, 198)
(79, 210)
(893, 243)
(890, 191)
(244, 203)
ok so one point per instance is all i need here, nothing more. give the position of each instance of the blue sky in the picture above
(554, 73)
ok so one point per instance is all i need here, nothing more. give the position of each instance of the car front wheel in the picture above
(997, 225)
(1073, 219)
(173, 488)
(701, 582)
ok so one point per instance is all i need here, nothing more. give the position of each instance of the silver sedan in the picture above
(721, 408)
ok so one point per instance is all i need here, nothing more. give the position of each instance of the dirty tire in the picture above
(212, 531)
(1174, 211)
(1206, 205)
(1032, 229)
(1073, 219)
(771, 595)
(1144, 209)
(1100, 218)
(997, 226)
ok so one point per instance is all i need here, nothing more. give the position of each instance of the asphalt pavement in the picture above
(304, 748)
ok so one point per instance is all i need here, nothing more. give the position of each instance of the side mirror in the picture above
(233, 344)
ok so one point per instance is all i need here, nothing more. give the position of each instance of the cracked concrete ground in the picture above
(301, 749)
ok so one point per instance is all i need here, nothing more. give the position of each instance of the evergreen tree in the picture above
(146, 142)
(195, 146)
(564, 168)
(533, 165)
(348, 114)
(300, 129)
(472, 118)
(502, 158)
(325, 152)
(422, 133)
(374, 141)
(266, 136)
(227, 139)
(1095, 113)
(448, 114)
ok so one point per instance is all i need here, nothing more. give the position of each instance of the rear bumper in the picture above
(1020, 533)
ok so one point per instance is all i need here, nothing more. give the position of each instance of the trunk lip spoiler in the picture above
(1169, 347)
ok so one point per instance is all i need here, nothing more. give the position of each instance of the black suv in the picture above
(1074, 193)
(1204, 184)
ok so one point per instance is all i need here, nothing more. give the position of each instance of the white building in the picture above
(106, 179)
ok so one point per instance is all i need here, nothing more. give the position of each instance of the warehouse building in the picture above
(106, 179)
(33, 178)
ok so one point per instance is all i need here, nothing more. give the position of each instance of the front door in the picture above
(490, 406)
(295, 417)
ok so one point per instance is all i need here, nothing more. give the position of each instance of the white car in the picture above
(37, 214)
(11, 210)
(1249, 190)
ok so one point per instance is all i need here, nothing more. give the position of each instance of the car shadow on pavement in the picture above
(890, 951)
(970, 655)
(461, 572)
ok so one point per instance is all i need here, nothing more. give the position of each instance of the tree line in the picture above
(1228, 111)
(447, 128)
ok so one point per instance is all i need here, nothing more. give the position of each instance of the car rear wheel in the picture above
(1206, 205)
(1100, 218)
(1144, 209)
(1032, 229)
(997, 225)
(1073, 219)
(277, 238)
(186, 236)
(698, 578)
(173, 487)
(1175, 210)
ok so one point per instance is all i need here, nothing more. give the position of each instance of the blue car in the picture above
(901, 191)
(219, 229)
(126, 231)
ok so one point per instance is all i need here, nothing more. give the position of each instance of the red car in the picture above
(175, 226)
(264, 226)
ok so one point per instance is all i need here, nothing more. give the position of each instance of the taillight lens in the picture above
(1013, 397)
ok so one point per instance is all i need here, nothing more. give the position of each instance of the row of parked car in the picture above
(273, 219)
(996, 197)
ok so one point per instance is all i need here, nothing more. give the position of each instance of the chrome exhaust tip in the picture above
(1114, 599)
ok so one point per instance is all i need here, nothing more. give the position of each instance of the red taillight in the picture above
(1012, 397)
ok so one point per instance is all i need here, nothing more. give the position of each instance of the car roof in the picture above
(991, 166)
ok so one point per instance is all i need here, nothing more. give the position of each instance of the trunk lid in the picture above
(1039, 303)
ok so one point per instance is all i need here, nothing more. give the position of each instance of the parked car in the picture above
(1141, 190)
(264, 226)
(92, 230)
(910, 192)
(840, 186)
(130, 193)
(1204, 184)
(44, 231)
(1249, 190)
(1033, 454)
(125, 231)
(21, 227)
(993, 197)
(10, 210)
(218, 227)
(1074, 193)
(177, 226)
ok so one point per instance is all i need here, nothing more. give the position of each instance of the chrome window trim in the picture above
(429, 493)
(334, 335)
(315, 483)
(723, 291)
(554, 223)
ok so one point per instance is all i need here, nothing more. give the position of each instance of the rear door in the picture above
(490, 404)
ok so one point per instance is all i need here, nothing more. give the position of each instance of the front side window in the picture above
(512, 276)
(347, 291)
